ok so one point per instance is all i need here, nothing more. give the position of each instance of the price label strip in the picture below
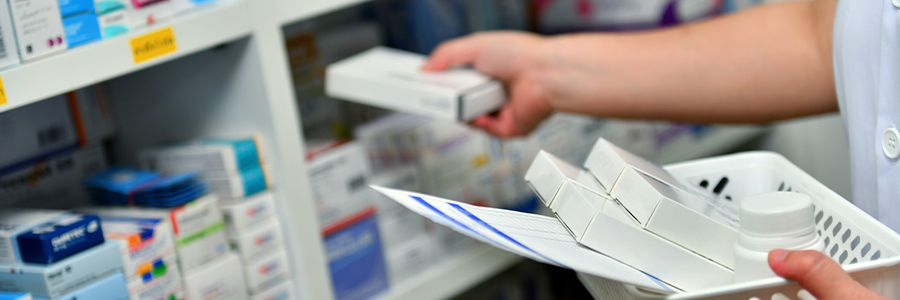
(153, 45)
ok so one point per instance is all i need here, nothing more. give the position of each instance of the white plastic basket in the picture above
(862, 245)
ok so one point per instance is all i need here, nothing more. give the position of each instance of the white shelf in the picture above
(103, 60)
(453, 276)
(298, 10)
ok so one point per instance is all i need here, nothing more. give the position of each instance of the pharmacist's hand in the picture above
(511, 57)
(820, 275)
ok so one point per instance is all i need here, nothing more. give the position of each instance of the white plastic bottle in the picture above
(777, 220)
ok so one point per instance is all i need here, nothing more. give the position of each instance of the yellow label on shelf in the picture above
(153, 45)
(2, 93)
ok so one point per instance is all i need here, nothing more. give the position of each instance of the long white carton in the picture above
(679, 216)
(167, 286)
(56, 182)
(394, 79)
(282, 291)
(221, 279)
(613, 232)
(548, 172)
(607, 162)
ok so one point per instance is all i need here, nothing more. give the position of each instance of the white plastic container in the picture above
(866, 249)
(769, 221)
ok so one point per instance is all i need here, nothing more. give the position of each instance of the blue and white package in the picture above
(112, 18)
(205, 154)
(14, 296)
(71, 7)
(56, 279)
(128, 186)
(14, 222)
(355, 257)
(82, 28)
(108, 288)
(63, 237)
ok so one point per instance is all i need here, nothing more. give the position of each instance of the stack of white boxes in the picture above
(234, 171)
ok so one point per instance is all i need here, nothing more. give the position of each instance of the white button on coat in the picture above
(890, 141)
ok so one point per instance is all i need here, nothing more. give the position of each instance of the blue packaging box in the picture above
(55, 280)
(14, 296)
(355, 257)
(60, 238)
(109, 288)
(82, 28)
(71, 7)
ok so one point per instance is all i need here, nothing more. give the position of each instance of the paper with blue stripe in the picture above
(536, 237)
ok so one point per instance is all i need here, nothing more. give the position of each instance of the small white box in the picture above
(14, 222)
(198, 228)
(240, 214)
(548, 172)
(607, 161)
(394, 79)
(138, 249)
(613, 232)
(221, 279)
(8, 48)
(256, 240)
(282, 291)
(684, 218)
(265, 270)
(339, 178)
(39, 28)
(166, 286)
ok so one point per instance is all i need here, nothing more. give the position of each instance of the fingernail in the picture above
(778, 255)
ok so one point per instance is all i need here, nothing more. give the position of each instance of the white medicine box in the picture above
(394, 79)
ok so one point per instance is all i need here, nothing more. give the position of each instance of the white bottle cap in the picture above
(777, 214)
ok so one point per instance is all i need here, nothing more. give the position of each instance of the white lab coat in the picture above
(867, 76)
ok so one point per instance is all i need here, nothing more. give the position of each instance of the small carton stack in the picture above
(58, 255)
(234, 170)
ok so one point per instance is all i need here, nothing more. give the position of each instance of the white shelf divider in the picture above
(453, 276)
(299, 10)
(92, 63)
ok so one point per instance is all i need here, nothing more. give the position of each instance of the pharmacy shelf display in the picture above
(102, 60)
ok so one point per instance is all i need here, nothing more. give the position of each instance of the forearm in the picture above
(766, 64)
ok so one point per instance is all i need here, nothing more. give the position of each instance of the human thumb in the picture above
(820, 275)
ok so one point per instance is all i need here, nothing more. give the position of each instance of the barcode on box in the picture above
(2, 45)
(51, 135)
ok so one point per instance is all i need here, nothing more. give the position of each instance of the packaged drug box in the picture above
(53, 182)
(222, 278)
(256, 240)
(266, 269)
(14, 222)
(198, 227)
(240, 214)
(165, 284)
(39, 28)
(281, 291)
(112, 17)
(394, 79)
(111, 287)
(36, 131)
(8, 49)
(56, 279)
(59, 238)
(144, 242)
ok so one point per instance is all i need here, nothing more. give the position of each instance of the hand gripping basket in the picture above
(862, 245)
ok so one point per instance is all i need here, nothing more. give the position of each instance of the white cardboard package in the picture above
(394, 79)
(222, 278)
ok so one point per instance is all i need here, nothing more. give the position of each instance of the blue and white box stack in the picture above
(255, 235)
(232, 168)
